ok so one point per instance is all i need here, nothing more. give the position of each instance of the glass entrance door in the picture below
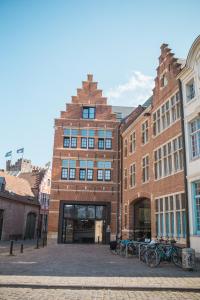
(84, 223)
(68, 231)
(142, 220)
(98, 231)
(84, 231)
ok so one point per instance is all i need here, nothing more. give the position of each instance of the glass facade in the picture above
(83, 223)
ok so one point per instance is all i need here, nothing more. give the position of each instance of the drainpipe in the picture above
(184, 167)
(119, 182)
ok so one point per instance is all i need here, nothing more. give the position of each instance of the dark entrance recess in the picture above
(142, 219)
(1, 222)
(84, 223)
(30, 226)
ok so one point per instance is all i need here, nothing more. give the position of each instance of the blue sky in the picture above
(48, 47)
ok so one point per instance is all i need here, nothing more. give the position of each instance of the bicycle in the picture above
(160, 252)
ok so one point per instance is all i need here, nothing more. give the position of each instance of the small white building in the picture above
(190, 82)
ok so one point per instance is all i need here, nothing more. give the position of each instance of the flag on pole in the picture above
(21, 150)
(47, 165)
(8, 154)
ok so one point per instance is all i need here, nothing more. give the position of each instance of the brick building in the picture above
(153, 198)
(85, 174)
(19, 209)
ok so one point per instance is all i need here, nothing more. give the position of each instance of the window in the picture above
(87, 140)
(175, 107)
(82, 174)
(100, 143)
(73, 142)
(145, 132)
(91, 143)
(90, 174)
(164, 80)
(194, 127)
(145, 169)
(64, 173)
(167, 114)
(178, 154)
(108, 143)
(68, 169)
(72, 173)
(171, 209)
(100, 175)
(190, 90)
(132, 175)
(196, 205)
(104, 170)
(156, 122)
(104, 140)
(88, 113)
(86, 170)
(66, 142)
(168, 159)
(107, 175)
(125, 179)
(70, 139)
(84, 142)
(125, 148)
(132, 142)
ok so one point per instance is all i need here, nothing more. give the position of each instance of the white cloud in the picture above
(135, 91)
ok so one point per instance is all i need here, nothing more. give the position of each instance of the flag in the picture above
(21, 150)
(8, 154)
(47, 165)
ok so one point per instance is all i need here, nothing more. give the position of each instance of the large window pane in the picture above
(81, 211)
(65, 163)
(91, 212)
(69, 211)
(100, 212)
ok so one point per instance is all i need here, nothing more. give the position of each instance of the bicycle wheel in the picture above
(143, 254)
(177, 259)
(152, 258)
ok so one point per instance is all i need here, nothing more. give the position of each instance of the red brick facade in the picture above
(145, 194)
(166, 164)
(85, 191)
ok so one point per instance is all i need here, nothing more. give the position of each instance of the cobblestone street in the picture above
(90, 272)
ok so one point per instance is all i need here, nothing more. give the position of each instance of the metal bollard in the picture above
(37, 244)
(43, 242)
(98, 239)
(22, 248)
(11, 247)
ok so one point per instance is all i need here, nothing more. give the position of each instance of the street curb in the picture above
(94, 287)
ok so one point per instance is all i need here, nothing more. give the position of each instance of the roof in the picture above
(17, 185)
(123, 110)
(34, 179)
(148, 102)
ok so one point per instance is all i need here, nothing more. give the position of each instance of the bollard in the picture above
(37, 244)
(98, 239)
(22, 248)
(43, 242)
(11, 247)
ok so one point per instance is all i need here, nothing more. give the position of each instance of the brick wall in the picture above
(169, 67)
(76, 190)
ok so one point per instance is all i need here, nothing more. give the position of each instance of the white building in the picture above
(190, 81)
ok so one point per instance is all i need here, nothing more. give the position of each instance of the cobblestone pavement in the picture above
(55, 294)
(91, 272)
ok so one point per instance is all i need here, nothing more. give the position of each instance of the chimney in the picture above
(90, 77)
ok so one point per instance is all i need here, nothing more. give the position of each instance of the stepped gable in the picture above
(89, 95)
(34, 178)
(165, 81)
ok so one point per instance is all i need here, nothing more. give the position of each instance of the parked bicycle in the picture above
(158, 252)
